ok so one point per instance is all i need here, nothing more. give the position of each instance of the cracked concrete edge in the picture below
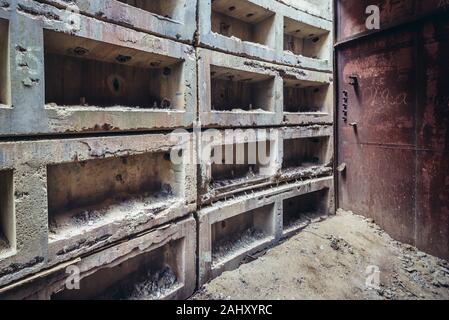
(273, 173)
(274, 53)
(177, 28)
(28, 113)
(276, 116)
(184, 230)
(223, 210)
(28, 162)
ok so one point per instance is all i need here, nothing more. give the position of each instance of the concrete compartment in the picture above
(267, 30)
(7, 218)
(306, 40)
(243, 20)
(222, 172)
(86, 73)
(300, 210)
(241, 233)
(124, 103)
(236, 163)
(235, 90)
(233, 230)
(5, 81)
(123, 186)
(90, 193)
(248, 158)
(303, 153)
(157, 264)
(76, 196)
(307, 96)
(149, 276)
(247, 28)
(230, 231)
(307, 152)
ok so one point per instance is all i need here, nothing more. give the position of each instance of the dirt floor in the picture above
(335, 259)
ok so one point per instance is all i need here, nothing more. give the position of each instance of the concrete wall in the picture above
(272, 19)
(90, 93)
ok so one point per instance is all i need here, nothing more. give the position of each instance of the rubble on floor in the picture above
(339, 258)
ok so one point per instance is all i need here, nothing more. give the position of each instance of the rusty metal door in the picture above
(392, 110)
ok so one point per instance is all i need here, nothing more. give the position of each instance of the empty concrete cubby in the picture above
(236, 161)
(306, 96)
(232, 230)
(94, 75)
(241, 233)
(171, 9)
(78, 195)
(299, 211)
(238, 167)
(235, 90)
(303, 153)
(7, 219)
(267, 30)
(84, 195)
(5, 81)
(152, 275)
(243, 20)
(306, 40)
(159, 263)
(81, 72)
(244, 164)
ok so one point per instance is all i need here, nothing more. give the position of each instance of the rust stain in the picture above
(397, 158)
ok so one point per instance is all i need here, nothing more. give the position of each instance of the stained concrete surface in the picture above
(329, 260)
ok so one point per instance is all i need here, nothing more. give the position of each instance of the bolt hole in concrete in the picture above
(88, 194)
(7, 221)
(246, 163)
(306, 96)
(115, 83)
(305, 40)
(171, 9)
(5, 81)
(240, 91)
(243, 20)
(148, 276)
(302, 210)
(85, 73)
(241, 233)
(123, 59)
